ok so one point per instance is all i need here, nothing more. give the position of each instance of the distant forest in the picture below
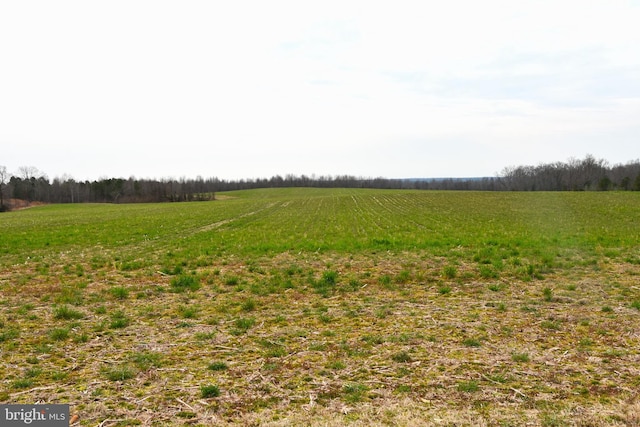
(30, 185)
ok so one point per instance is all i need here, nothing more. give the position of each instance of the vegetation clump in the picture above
(185, 282)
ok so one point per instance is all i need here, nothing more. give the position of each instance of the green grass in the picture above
(218, 366)
(209, 391)
(317, 219)
(67, 313)
(520, 357)
(468, 386)
(120, 373)
(184, 282)
(327, 307)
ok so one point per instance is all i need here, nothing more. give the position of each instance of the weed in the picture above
(218, 366)
(373, 339)
(33, 372)
(468, 386)
(22, 383)
(549, 419)
(325, 318)
(548, 294)
(401, 357)
(81, 338)
(520, 357)
(403, 277)
(488, 272)
(444, 290)
(146, 360)
(385, 280)
(185, 282)
(119, 320)
(188, 312)
(636, 304)
(550, 324)
(120, 292)
(249, 305)
(231, 280)
(65, 312)
(449, 272)
(242, 325)
(59, 334)
(330, 277)
(186, 415)
(472, 342)
(585, 342)
(276, 352)
(209, 391)
(336, 365)
(120, 373)
(354, 392)
(204, 336)
(173, 271)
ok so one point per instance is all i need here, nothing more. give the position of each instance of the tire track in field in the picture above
(220, 223)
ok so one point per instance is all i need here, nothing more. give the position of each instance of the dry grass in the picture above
(376, 345)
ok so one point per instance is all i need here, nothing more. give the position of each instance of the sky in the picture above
(250, 89)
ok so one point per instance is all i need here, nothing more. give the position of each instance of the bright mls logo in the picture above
(34, 415)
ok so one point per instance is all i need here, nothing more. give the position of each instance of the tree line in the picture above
(29, 184)
(588, 174)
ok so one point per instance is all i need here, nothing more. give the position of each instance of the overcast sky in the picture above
(243, 89)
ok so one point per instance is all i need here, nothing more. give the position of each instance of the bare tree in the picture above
(4, 177)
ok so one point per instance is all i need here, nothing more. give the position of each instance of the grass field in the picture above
(327, 307)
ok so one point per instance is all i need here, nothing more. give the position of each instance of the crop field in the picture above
(327, 307)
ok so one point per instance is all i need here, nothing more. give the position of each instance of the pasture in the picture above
(327, 307)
